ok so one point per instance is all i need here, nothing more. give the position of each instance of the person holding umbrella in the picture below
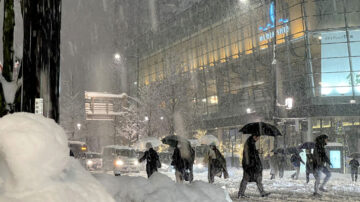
(183, 157)
(251, 160)
(308, 146)
(354, 169)
(183, 165)
(252, 167)
(320, 159)
(296, 160)
(309, 164)
(216, 164)
(152, 160)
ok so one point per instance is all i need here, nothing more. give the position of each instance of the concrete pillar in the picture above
(309, 134)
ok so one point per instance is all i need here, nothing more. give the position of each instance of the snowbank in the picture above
(160, 188)
(35, 163)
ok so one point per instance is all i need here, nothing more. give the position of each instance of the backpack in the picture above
(293, 159)
(153, 158)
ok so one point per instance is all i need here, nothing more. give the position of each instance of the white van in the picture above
(120, 159)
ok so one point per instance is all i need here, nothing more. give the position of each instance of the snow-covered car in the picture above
(120, 159)
(78, 148)
(93, 160)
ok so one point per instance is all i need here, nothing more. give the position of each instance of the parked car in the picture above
(93, 161)
(120, 159)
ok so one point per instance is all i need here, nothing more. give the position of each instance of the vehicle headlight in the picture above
(136, 163)
(89, 162)
(119, 162)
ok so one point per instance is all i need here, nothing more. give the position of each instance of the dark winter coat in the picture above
(354, 164)
(152, 161)
(218, 165)
(251, 162)
(309, 163)
(177, 161)
(320, 157)
(296, 160)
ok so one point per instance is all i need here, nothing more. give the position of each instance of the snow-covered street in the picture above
(340, 187)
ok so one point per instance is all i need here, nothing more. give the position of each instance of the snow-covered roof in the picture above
(76, 142)
(334, 144)
(118, 147)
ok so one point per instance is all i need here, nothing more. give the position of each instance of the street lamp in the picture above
(289, 103)
(78, 126)
(117, 56)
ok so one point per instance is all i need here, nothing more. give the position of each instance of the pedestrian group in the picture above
(183, 160)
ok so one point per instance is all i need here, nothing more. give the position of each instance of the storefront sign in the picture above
(282, 30)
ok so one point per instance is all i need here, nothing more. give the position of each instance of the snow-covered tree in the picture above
(172, 100)
(128, 124)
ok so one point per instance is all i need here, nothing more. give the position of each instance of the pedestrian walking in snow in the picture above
(309, 164)
(281, 164)
(252, 167)
(354, 169)
(183, 166)
(216, 164)
(277, 165)
(274, 166)
(296, 160)
(320, 159)
(152, 160)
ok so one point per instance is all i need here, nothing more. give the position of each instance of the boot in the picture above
(242, 196)
(322, 189)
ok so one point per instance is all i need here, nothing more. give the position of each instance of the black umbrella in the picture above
(266, 129)
(172, 140)
(355, 155)
(307, 145)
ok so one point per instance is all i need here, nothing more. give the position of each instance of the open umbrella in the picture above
(173, 140)
(209, 139)
(141, 144)
(288, 150)
(186, 150)
(194, 142)
(355, 155)
(307, 145)
(260, 128)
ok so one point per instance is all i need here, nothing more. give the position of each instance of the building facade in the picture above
(294, 63)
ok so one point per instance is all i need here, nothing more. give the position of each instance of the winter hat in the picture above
(148, 145)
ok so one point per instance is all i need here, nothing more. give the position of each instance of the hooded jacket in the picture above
(320, 156)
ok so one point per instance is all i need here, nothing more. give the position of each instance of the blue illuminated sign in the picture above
(271, 24)
(335, 158)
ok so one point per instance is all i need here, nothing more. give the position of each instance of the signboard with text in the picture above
(39, 106)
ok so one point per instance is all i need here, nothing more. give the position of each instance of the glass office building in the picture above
(248, 58)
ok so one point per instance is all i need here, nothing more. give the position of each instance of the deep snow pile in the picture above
(160, 188)
(35, 163)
